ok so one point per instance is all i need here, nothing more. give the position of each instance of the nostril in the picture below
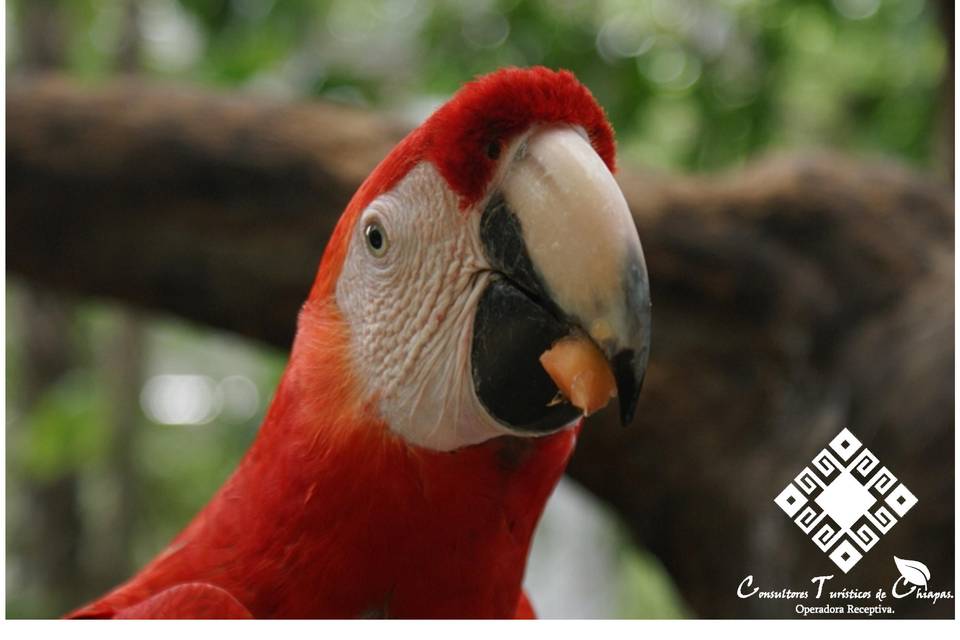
(521, 151)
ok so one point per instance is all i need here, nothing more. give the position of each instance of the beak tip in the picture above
(628, 406)
(629, 382)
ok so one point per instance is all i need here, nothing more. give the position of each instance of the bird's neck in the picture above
(402, 531)
(332, 515)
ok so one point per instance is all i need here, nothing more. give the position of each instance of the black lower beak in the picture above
(511, 330)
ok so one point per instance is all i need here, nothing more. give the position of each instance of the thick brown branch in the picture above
(216, 209)
(791, 299)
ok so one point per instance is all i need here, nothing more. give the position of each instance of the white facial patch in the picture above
(410, 309)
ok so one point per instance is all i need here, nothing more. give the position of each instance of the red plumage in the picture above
(330, 514)
(194, 600)
(497, 108)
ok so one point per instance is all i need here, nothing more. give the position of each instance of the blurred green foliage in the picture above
(691, 85)
(688, 84)
(71, 432)
(647, 592)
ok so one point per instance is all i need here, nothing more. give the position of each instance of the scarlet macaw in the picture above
(415, 437)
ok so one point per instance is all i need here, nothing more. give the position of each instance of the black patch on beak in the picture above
(502, 238)
(510, 332)
(516, 321)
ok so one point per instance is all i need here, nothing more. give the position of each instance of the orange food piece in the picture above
(580, 370)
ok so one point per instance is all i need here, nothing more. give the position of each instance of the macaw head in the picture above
(489, 233)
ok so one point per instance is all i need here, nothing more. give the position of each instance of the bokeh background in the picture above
(122, 423)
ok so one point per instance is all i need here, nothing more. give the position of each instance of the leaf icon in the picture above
(913, 571)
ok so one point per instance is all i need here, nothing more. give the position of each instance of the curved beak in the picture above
(561, 236)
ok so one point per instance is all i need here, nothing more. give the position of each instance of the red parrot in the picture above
(415, 437)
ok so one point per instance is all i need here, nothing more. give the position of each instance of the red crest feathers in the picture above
(496, 107)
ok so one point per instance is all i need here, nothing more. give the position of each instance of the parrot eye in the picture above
(376, 239)
(493, 150)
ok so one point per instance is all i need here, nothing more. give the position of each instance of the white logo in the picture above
(911, 572)
(842, 503)
(914, 581)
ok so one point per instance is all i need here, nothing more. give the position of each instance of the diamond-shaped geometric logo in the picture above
(843, 502)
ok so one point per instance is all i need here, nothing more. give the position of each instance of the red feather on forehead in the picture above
(495, 108)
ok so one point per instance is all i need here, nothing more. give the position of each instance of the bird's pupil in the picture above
(375, 238)
(493, 150)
